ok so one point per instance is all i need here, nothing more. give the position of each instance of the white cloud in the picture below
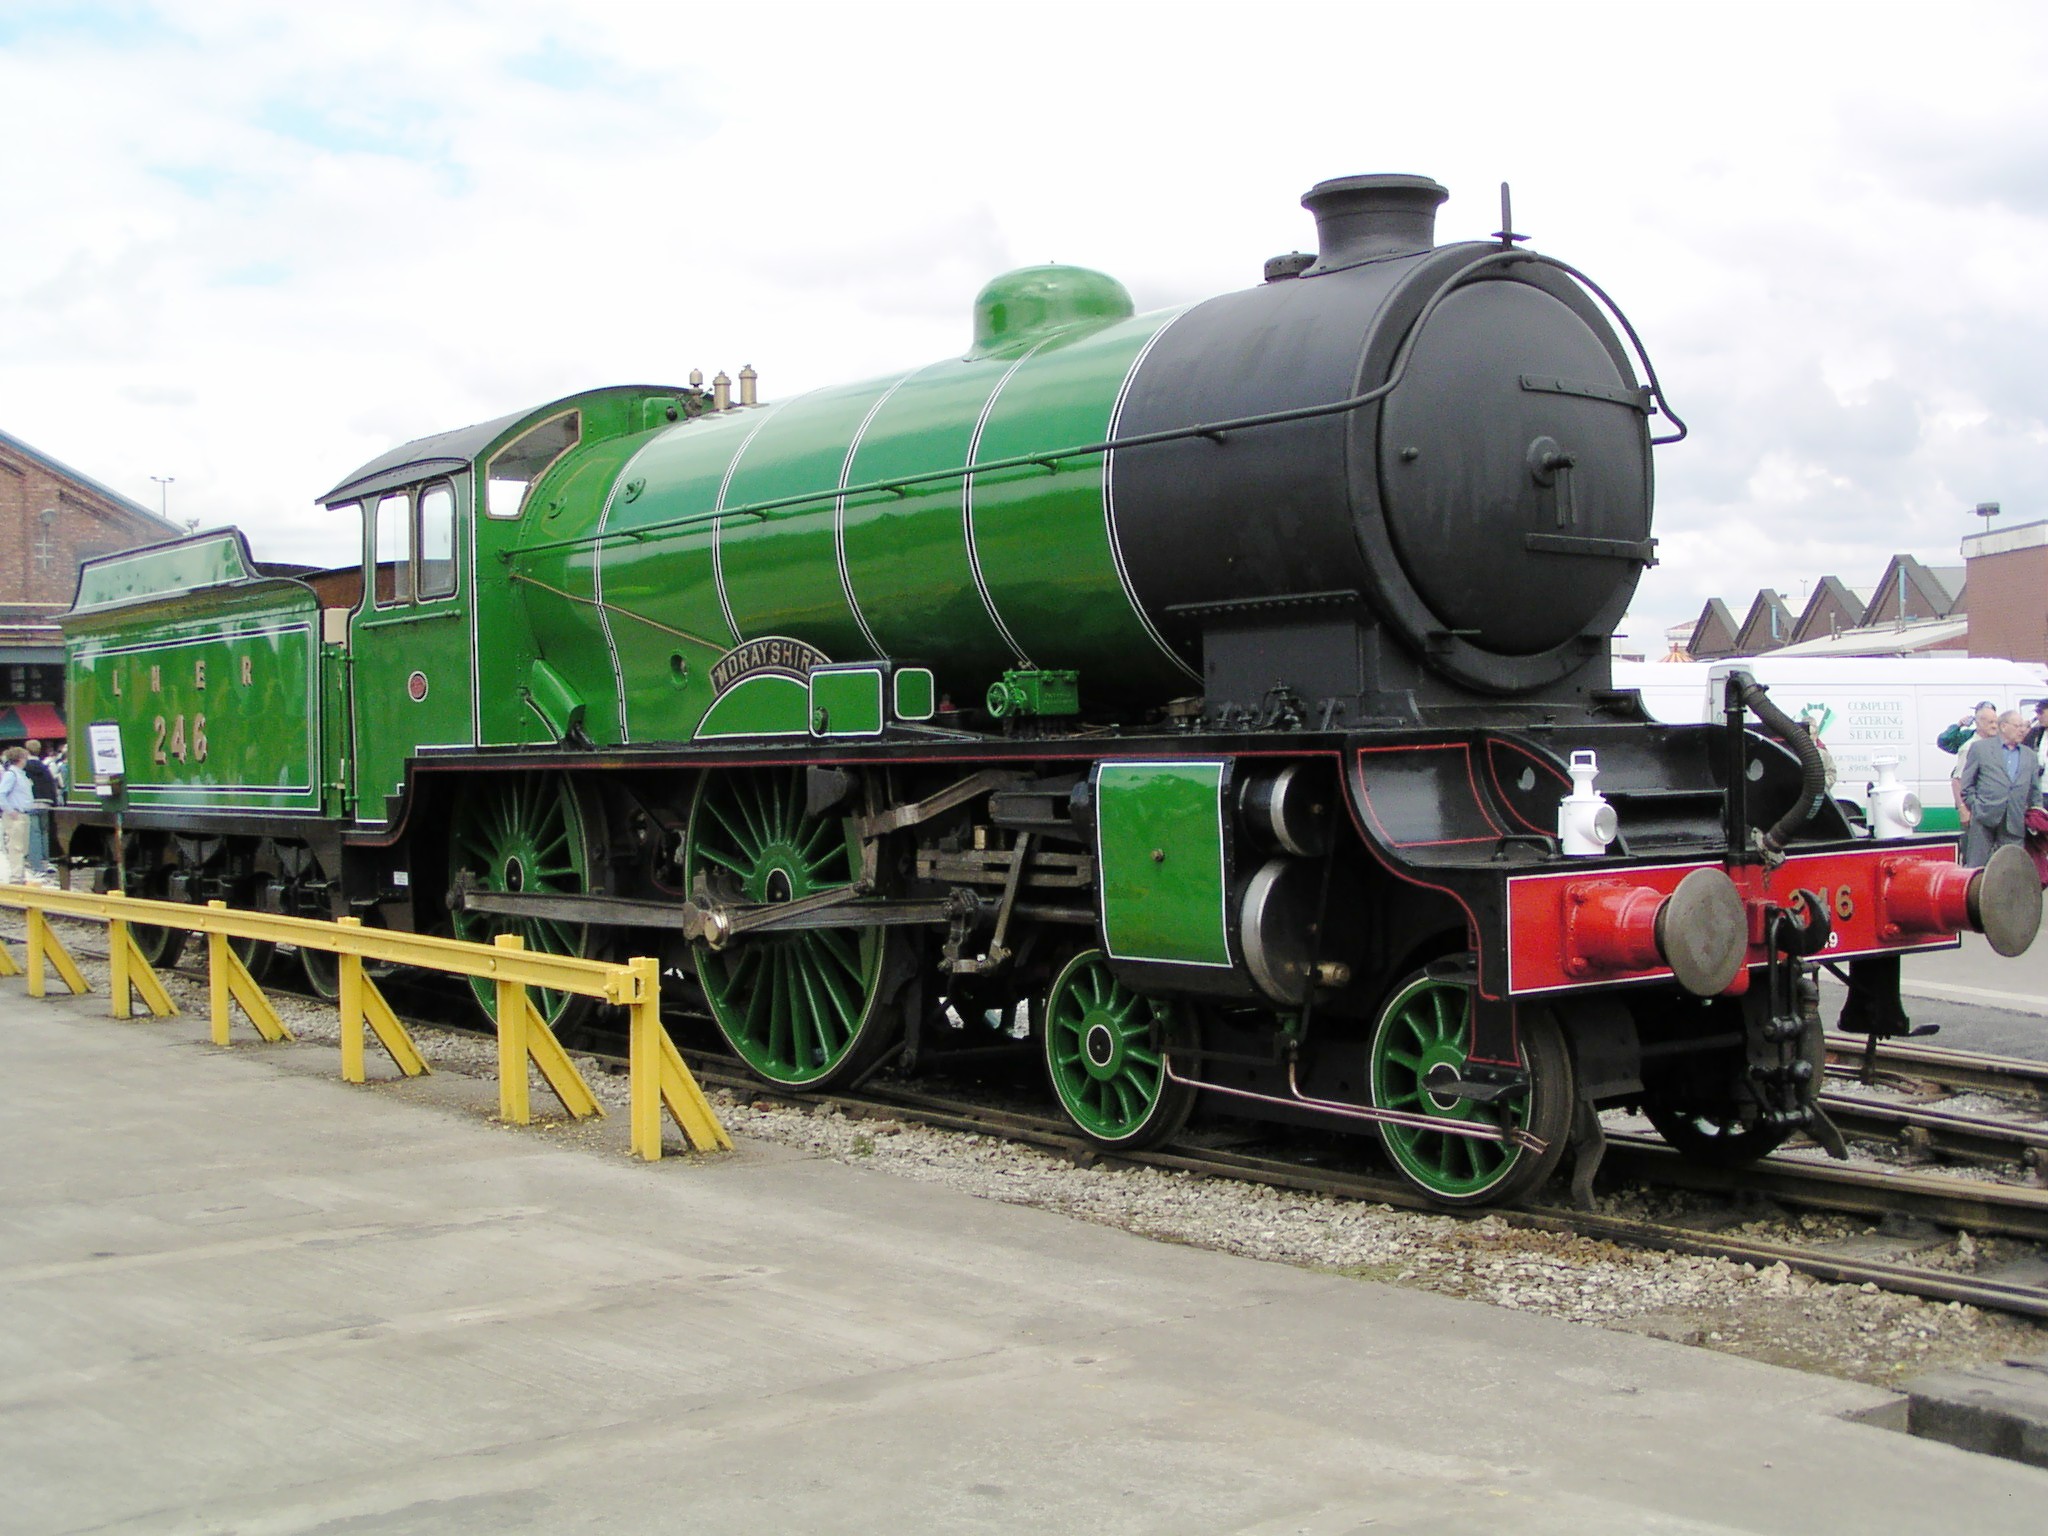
(251, 246)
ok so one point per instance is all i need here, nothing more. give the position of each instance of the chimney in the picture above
(748, 378)
(721, 392)
(1361, 218)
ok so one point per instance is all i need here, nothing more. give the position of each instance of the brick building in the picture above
(2009, 592)
(51, 518)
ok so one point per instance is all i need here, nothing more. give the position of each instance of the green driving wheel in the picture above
(1425, 1027)
(802, 1007)
(524, 833)
(1105, 1052)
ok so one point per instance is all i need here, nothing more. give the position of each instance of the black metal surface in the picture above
(1392, 499)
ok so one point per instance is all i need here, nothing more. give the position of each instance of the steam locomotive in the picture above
(1218, 697)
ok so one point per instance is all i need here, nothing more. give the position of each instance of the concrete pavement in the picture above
(238, 1295)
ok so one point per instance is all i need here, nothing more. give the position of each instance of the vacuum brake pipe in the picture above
(1813, 785)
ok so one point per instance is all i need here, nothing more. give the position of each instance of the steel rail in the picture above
(1973, 1205)
(1943, 1132)
(2015, 1075)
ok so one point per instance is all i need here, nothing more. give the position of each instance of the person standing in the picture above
(44, 785)
(1987, 730)
(1999, 785)
(17, 804)
(2039, 733)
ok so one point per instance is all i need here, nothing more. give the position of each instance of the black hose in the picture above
(1813, 783)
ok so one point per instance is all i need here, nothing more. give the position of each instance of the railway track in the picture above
(1885, 1194)
(1965, 1206)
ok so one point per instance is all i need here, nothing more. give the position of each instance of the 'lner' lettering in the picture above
(248, 664)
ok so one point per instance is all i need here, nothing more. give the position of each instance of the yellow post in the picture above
(120, 1003)
(38, 935)
(362, 1003)
(44, 944)
(228, 979)
(8, 965)
(660, 1078)
(351, 1010)
(643, 1053)
(132, 972)
(513, 1102)
(217, 957)
(524, 1035)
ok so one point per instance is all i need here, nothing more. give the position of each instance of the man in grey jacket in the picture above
(1998, 784)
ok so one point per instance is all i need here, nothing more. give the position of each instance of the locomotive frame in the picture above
(1260, 784)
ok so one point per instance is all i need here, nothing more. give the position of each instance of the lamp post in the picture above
(163, 483)
(1987, 510)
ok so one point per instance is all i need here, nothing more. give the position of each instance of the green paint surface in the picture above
(850, 702)
(905, 554)
(194, 734)
(915, 696)
(1042, 536)
(765, 705)
(782, 572)
(1166, 908)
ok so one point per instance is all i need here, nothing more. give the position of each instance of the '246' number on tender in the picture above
(162, 751)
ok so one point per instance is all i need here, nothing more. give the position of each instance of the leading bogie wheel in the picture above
(807, 1007)
(530, 832)
(1715, 1140)
(1425, 1025)
(1106, 1053)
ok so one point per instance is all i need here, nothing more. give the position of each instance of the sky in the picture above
(251, 246)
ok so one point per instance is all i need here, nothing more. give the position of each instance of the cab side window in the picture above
(437, 540)
(393, 548)
(521, 462)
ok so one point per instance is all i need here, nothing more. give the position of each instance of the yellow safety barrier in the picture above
(659, 1077)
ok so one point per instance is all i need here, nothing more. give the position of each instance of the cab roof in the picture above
(447, 453)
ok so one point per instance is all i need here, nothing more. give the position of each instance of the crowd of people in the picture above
(1999, 781)
(30, 784)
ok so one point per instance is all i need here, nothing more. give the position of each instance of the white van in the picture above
(1862, 707)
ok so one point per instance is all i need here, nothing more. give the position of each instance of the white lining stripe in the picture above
(604, 617)
(718, 523)
(1116, 549)
(967, 508)
(839, 510)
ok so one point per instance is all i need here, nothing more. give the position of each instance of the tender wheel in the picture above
(257, 957)
(323, 972)
(161, 947)
(1103, 1051)
(1716, 1140)
(529, 832)
(1426, 1024)
(805, 1008)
